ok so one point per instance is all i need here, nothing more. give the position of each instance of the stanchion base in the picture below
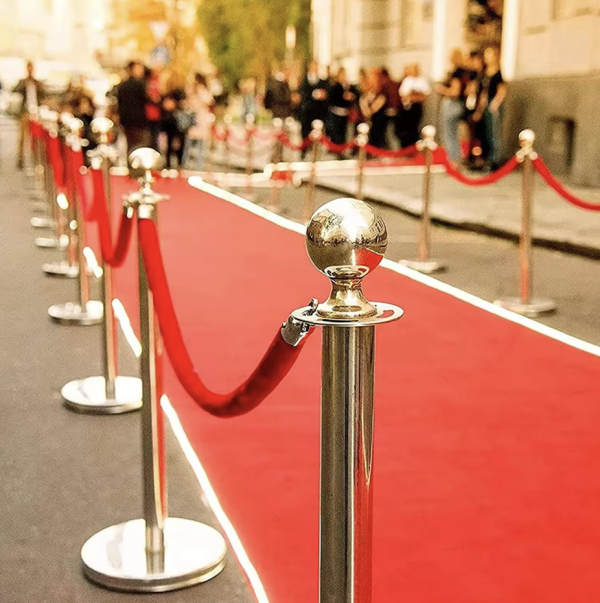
(74, 314)
(61, 269)
(49, 243)
(89, 396)
(40, 207)
(37, 195)
(535, 307)
(116, 557)
(424, 267)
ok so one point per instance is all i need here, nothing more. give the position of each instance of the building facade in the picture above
(550, 53)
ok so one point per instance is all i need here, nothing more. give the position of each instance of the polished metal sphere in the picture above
(145, 159)
(527, 137)
(362, 128)
(428, 132)
(346, 238)
(102, 125)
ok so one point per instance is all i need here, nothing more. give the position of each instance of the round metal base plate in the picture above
(116, 557)
(89, 396)
(49, 243)
(40, 207)
(427, 267)
(535, 307)
(61, 269)
(74, 314)
(42, 222)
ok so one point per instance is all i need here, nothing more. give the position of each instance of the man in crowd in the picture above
(32, 92)
(313, 99)
(278, 98)
(132, 99)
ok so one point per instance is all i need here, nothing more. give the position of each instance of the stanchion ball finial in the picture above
(102, 125)
(144, 160)
(428, 132)
(527, 137)
(346, 239)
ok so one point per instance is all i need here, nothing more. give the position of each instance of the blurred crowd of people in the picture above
(164, 110)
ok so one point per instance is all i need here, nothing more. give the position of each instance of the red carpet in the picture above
(487, 443)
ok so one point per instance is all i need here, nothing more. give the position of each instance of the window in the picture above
(562, 9)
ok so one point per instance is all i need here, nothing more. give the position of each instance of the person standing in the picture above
(493, 95)
(313, 99)
(199, 103)
(278, 98)
(389, 87)
(342, 97)
(453, 104)
(373, 105)
(32, 92)
(153, 104)
(171, 105)
(413, 92)
(131, 100)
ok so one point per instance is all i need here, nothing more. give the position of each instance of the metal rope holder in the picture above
(156, 553)
(424, 263)
(109, 393)
(346, 239)
(525, 304)
(69, 267)
(84, 311)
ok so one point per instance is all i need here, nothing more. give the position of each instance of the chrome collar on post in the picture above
(141, 164)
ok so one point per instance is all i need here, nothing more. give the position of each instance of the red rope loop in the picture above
(273, 367)
(377, 152)
(510, 166)
(217, 136)
(295, 147)
(552, 182)
(336, 148)
(77, 173)
(112, 256)
(56, 161)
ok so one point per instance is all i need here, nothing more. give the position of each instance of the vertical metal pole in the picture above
(249, 152)
(226, 150)
(361, 140)
(275, 159)
(425, 227)
(347, 464)
(155, 488)
(312, 179)
(109, 327)
(525, 251)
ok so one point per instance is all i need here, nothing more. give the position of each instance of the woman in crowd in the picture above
(171, 104)
(341, 98)
(453, 104)
(493, 94)
(199, 103)
(372, 105)
(153, 112)
(413, 92)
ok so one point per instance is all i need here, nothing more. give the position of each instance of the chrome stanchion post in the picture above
(249, 153)
(346, 240)
(157, 553)
(362, 139)
(109, 393)
(315, 136)
(68, 268)
(226, 147)
(424, 263)
(289, 126)
(275, 159)
(49, 121)
(525, 304)
(83, 312)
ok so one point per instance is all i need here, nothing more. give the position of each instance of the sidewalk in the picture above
(493, 209)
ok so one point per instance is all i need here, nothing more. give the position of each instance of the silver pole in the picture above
(275, 159)
(249, 152)
(315, 136)
(346, 240)
(346, 464)
(153, 438)
(226, 149)
(526, 304)
(361, 140)
(423, 263)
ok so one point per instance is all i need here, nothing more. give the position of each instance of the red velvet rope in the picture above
(215, 134)
(338, 149)
(552, 182)
(510, 166)
(263, 134)
(377, 152)
(56, 161)
(113, 257)
(77, 169)
(295, 147)
(274, 366)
